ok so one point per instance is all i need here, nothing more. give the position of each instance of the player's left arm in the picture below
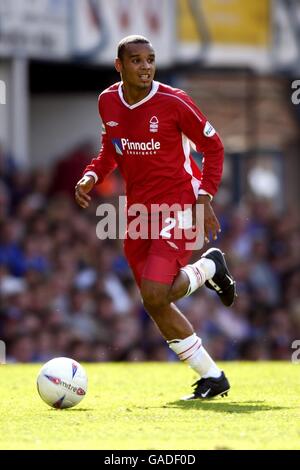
(207, 141)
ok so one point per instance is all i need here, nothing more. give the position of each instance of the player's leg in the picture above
(156, 283)
(211, 269)
(155, 275)
(136, 253)
(170, 321)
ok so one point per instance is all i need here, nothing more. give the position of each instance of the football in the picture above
(62, 382)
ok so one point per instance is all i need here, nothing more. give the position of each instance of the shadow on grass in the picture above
(69, 410)
(231, 407)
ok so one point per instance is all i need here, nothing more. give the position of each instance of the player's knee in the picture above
(154, 296)
(178, 288)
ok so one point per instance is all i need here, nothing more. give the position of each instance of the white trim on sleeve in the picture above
(187, 163)
(205, 193)
(93, 174)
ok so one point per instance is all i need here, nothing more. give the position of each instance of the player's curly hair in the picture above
(133, 39)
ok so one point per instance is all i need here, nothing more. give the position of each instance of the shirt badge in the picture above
(153, 124)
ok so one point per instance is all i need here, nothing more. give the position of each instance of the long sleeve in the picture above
(205, 139)
(105, 163)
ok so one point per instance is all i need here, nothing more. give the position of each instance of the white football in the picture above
(62, 382)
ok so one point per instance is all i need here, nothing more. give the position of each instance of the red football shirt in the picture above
(150, 143)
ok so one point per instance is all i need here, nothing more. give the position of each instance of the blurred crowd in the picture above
(65, 292)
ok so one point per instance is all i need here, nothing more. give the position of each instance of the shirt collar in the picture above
(153, 90)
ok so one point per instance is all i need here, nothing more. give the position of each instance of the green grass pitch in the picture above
(137, 406)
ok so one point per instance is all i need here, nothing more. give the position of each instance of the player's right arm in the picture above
(96, 171)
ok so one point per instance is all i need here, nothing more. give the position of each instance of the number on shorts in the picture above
(165, 232)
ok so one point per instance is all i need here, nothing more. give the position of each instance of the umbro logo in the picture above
(112, 123)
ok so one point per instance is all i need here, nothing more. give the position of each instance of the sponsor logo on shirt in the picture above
(208, 130)
(153, 124)
(126, 146)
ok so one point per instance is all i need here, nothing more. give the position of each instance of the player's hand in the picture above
(211, 223)
(82, 188)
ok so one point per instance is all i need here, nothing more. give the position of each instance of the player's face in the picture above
(137, 67)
